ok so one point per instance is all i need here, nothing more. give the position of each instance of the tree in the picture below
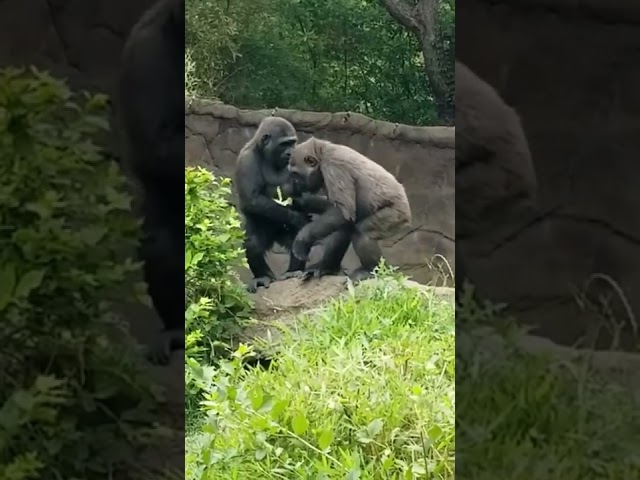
(343, 55)
(422, 18)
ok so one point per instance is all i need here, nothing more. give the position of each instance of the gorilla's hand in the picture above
(299, 219)
(297, 204)
(301, 245)
(253, 285)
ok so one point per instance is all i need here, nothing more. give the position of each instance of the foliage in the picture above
(216, 300)
(312, 55)
(72, 399)
(432, 22)
(191, 83)
(446, 41)
(362, 389)
(530, 416)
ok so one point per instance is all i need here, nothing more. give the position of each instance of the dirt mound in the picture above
(283, 300)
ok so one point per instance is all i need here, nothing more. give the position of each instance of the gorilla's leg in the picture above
(334, 249)
(369, 253)
(258, 240)
(385, 224)
(321, 227)
(161, 251)
(296, 266)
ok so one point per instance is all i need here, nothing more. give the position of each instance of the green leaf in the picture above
(28, 282)
(325, 439)
(354, 474)
(7, 285)
(257, 398)
(92, 235)
(279, 407)
(197, 257)
(434, 433)
(374, 427)
(299, 424)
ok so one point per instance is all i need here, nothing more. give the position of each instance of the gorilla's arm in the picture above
(253, 201)
(324, 225)
(329, 222)
(310, 203)
(153, 126)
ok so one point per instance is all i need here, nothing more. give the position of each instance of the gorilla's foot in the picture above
(360, 274)
(258, 282)
(159, 352)
(292, 274)
(317, 271)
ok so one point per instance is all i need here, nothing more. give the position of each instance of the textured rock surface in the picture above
(581, 122)
(77, 39)
(421, 158)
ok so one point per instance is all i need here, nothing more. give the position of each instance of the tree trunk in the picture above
(438, 85)
(422, 21)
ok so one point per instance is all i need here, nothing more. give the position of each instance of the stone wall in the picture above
(80, 40)
(421, 158)
(581, 118)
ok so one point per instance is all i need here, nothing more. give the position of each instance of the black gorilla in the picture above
(262, 168)
(149, 106)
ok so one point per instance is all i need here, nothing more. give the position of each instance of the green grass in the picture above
(364, 389)
(527, 417)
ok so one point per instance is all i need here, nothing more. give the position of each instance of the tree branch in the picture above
(402, 12)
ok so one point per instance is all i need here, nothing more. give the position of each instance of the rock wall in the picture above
(76, 39)
(421, 158)
(581, 119)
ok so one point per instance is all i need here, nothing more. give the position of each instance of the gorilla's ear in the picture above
(317, 148)
(311, 161)
(264, 140)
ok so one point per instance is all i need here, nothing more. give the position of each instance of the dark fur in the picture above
(261, 169)
(149, 104)
(494, 169)
(367, 203)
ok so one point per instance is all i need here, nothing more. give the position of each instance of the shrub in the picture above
(213, 249)
(363, 389)
(71, 398)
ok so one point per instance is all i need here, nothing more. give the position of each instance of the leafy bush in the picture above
(217, 301)
(363, 389)
(71, 398)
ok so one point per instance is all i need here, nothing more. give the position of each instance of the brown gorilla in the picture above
(366, 204)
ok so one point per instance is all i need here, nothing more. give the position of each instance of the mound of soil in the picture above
(284, 299)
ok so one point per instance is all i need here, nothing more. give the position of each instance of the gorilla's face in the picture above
(304, 166)
(277, 149)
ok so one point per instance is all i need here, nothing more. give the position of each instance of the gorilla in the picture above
(261, 168)
(149, 108)
(495, 175)
(364, 204)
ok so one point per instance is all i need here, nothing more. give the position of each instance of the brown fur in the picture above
(494, 170)
(365, 192)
